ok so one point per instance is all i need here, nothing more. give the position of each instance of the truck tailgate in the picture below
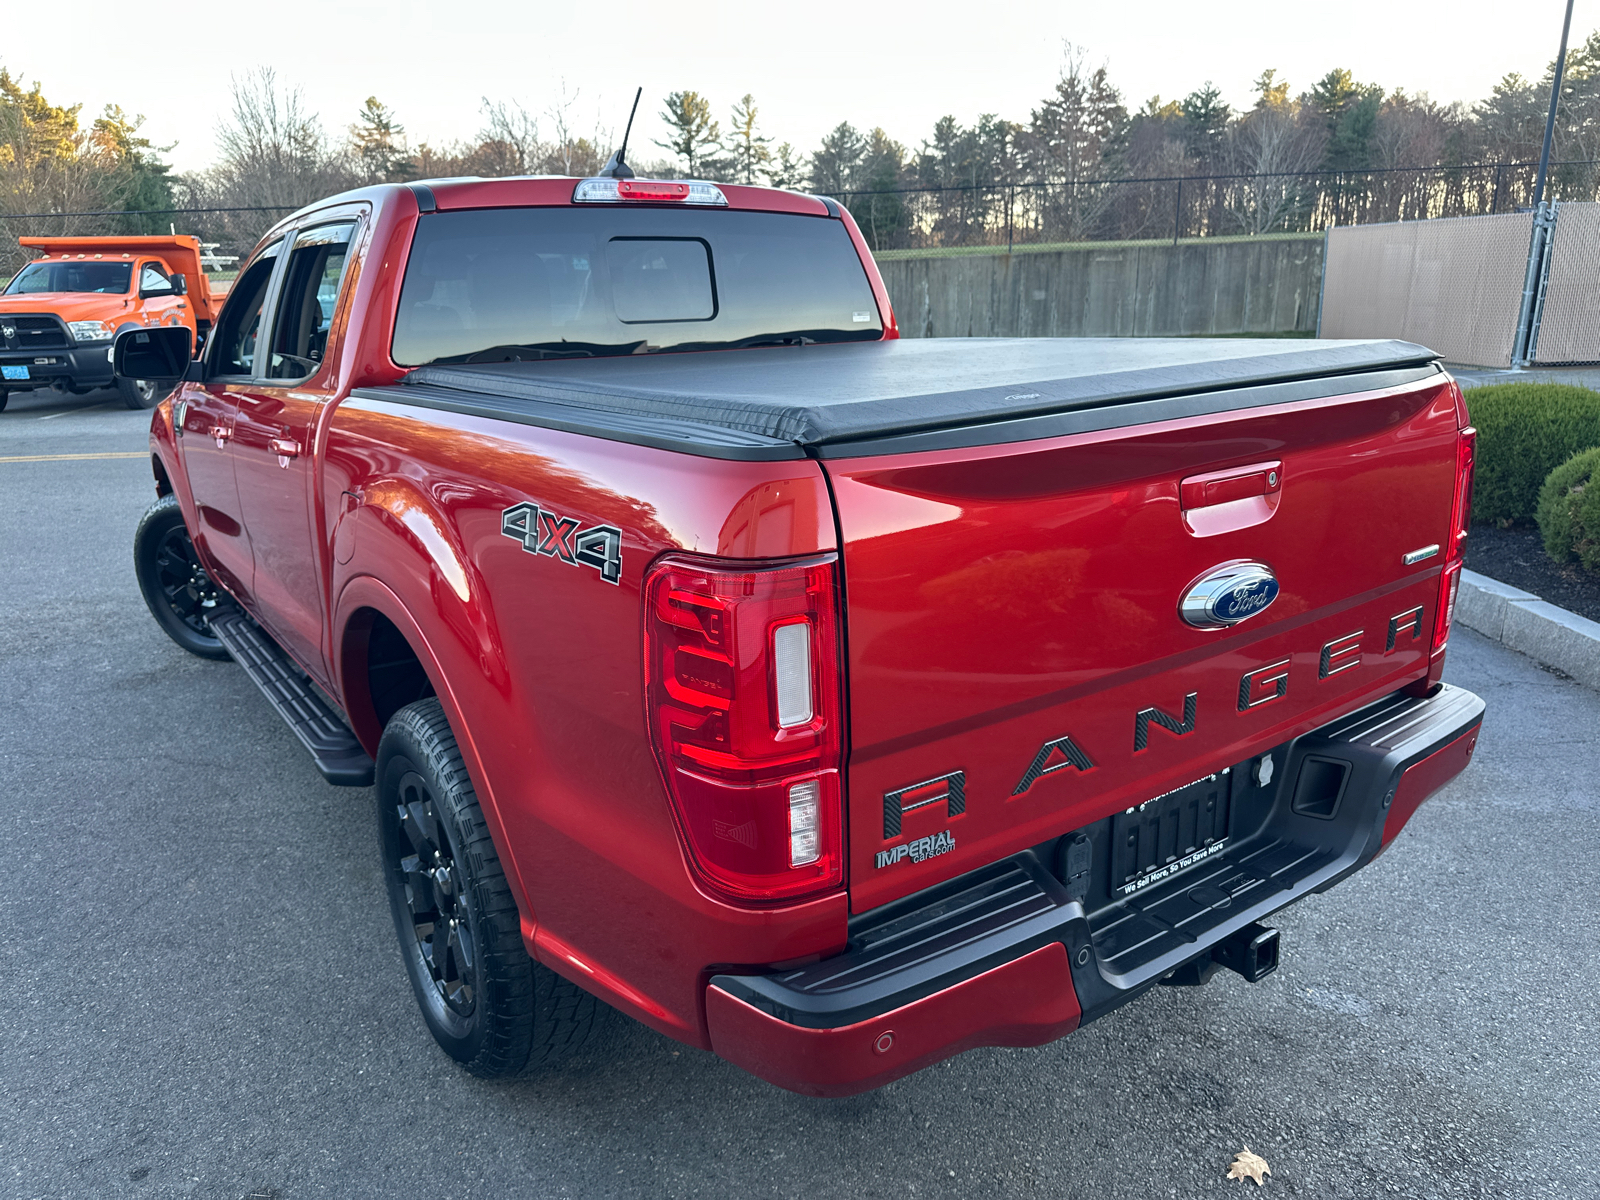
(1018, 665)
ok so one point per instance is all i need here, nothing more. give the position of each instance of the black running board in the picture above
(333, 747)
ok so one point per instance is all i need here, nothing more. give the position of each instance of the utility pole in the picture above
(1526, 342)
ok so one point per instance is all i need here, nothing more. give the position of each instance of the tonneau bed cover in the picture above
(785, 402)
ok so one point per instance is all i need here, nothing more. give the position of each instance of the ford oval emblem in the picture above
(1229, 594)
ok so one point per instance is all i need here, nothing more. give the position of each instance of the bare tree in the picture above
(1270, 146)
(508, 142)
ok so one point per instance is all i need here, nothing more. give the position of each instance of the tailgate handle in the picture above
(1220, 487)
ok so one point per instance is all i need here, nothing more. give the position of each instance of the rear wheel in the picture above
(179, 593)
(488, 1005)
(141, 393)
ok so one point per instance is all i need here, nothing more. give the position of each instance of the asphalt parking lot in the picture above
(204, 996)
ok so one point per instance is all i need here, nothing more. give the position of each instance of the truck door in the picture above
(274, 443)
(206, 420)
(159, 301)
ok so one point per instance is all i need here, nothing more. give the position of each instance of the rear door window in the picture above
(306, 300)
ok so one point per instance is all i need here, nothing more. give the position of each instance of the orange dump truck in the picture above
(62, 312)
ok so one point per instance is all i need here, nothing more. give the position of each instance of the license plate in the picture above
(13, 372)
(1169, 834)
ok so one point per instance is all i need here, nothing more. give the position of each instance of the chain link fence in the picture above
(1030, 216)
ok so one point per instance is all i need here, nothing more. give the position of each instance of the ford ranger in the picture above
(832, 702)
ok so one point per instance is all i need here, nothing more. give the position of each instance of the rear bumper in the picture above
(82, 366)
(1010, 955)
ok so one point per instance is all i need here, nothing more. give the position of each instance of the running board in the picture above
(333, 747)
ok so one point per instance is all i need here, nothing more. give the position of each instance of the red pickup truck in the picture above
(832, 702)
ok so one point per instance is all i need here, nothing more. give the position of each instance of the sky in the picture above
(901, 66)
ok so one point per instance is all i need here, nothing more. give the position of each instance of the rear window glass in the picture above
(492, 285)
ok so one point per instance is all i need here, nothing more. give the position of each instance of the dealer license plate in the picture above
(1169, 834)
(13, 372)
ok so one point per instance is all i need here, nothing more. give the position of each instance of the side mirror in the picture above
(180, 285)
(157, 355)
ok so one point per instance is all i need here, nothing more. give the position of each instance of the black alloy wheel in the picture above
(177, 590)
(488, 1005)
(440, 923)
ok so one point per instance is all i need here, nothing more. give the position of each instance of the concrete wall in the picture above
(1259, 285)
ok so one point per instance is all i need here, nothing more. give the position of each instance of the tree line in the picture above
(1082, 164)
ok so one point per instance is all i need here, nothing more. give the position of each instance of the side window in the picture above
(153, 279)
(306, 302)
(234, 342)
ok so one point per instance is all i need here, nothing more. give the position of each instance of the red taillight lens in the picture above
(1461, 510)
(651, 189)
(742, 684)
(1460, 521)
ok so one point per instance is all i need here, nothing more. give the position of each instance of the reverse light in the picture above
(649, 191)
(91, 331)
(743, 694)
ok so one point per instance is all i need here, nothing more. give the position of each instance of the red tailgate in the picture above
(1014, 635)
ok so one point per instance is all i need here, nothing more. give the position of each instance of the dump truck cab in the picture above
(61, 313)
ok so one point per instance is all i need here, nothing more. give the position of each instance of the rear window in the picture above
(495, 285)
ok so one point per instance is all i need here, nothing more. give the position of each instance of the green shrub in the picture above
(1569, 510)
(1524, 431)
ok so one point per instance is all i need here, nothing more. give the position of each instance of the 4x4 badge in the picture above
(544, 532)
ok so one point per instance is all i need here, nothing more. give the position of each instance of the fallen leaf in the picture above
(1248, 1165)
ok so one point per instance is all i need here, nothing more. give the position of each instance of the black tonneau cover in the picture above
(875, 397)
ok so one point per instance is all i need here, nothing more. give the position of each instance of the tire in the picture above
(179, 593)
(488, 1005)
(5, 397)
(141, 393)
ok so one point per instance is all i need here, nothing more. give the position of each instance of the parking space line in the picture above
(65, 457)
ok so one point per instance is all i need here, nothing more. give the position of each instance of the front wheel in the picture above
(488, 1005)
(179, 593)
(141, 393)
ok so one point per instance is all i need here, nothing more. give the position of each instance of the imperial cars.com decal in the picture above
(918, 851)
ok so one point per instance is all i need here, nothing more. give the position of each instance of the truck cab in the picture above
(61, 313)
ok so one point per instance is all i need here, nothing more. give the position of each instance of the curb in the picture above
(1524, 623)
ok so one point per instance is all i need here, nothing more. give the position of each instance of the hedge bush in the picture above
(1569, 510)
(1525, 430)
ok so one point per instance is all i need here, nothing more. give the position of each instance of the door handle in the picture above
(221, 433)
(285, 449)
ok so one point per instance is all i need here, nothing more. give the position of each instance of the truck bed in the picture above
(875, 397)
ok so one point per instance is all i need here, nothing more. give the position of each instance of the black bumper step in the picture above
(1277, 851)
(333, 747)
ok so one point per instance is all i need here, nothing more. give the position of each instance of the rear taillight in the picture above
(652, 191)
(1455, 548)
(743, 691)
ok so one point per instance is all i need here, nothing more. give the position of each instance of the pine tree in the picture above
(695, 134)
(378, 142)
(834, 165)
(787, 169)
(745, 146)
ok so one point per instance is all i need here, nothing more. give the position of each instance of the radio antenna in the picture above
(617, 166)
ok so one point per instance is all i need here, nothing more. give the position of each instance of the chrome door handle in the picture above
(285, 449)
(221, 433)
